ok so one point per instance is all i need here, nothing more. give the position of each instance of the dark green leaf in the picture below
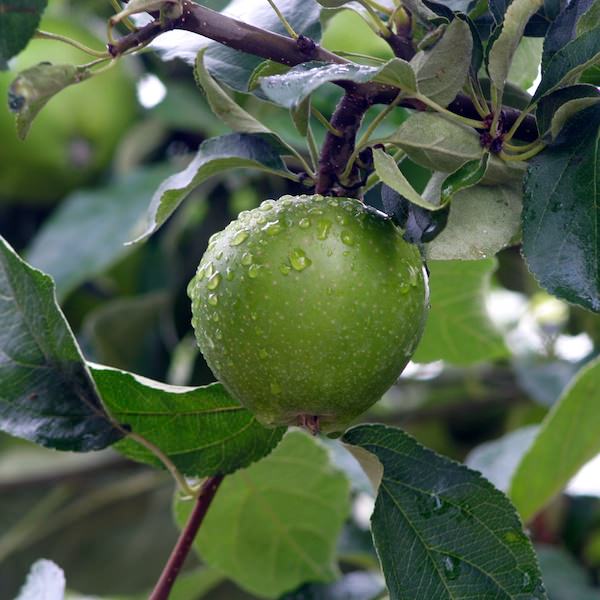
(18, 21)
(45, 580)
(354, 586)
(441, 530)
(556, 108)
(564, 29)
(250, 150)
(458, 328)
(289, 89)
(46, 392)
(471, 173)
(34, 87)
(204, 431)
(569, 62)
(289, 509)
(568, 438)
(561, 209)
(109, 216)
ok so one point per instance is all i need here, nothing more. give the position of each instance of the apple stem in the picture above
(311, 423)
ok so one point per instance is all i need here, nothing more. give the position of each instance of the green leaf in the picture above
(399, 73)
(505, 45)
(265, 69)
(458, 329)
(237, 150)
(109, 216)
(222, 105)
(390, 174)
(556, 108)
(589, 19)
(483, 220)
(46, 393)
(289, 89)
(569, 62)
(441, 530)
(442, 71)
(35, 87)
(561, 210)
(45, 581)
(498, 459)
(568, 438)
(438, 144)
(466, 176)
(360, 585)
(18, 21)
(204, 431)
(289, 509)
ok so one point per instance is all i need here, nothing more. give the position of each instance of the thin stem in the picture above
(449, 114)
(479, 107)
(511, 132)
(517, 149)
(283, 20)
(382, 9)
(307, 168)
(375, 59)
(362, 142)
(525, 155)
(127, 22)
(46, 35)
(325, 122)
(186, 539)
(381, 26)
(312, 147)
(165, 460)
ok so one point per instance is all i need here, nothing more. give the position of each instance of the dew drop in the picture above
(214, 237)
(413, 276)
(219, 255)
(323, 228)
(213, 299)
(215, 317)
(267, 205)
(239, 238)
(304, 223)
(253, 271)
(341, 219)
(262, 353)
(209, 269)
(284, 269)
(286, 202)
(451, 567)
(229, 274)
(315, 211)
(299, 260)
(247, 259)
(214, 281)
(190, 288)
(333, 202)
(219, 334)
(275, 388)
(347, 238)
(272, 228)
(199, 275)
(260, 220)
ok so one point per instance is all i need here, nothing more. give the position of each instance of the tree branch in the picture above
(164, 585)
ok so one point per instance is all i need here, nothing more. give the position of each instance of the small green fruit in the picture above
(307, 309)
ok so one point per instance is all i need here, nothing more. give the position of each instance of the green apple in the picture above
(75, 135)
(308, 309)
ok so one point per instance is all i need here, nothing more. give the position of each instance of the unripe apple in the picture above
(307, 309)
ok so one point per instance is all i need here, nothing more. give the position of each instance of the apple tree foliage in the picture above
(475, 125)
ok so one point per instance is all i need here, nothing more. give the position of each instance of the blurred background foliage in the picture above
(92, 161)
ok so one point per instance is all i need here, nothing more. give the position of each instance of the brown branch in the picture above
(186, 539)
(285, 50)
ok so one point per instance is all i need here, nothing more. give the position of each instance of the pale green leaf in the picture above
(442, 71)
(568, 438)
(436, 143)
(458, 328)
(399, 73)
(526, 62)
(505, 45)
(483, 220)
(275, 525)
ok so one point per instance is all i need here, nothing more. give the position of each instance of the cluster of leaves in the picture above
(439, 529)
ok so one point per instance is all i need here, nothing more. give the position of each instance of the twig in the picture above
(186, 539)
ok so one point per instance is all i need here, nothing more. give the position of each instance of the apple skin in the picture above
(309, 308)
(75, 135)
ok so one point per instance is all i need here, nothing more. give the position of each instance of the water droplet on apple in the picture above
(299, 260)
